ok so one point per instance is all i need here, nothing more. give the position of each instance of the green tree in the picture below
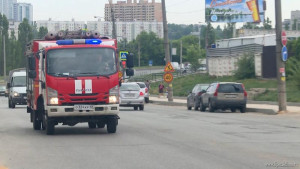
(268, 24)
(42, 32)
(246, 67)
(25, 36)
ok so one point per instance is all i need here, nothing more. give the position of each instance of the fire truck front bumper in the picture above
(83, 110)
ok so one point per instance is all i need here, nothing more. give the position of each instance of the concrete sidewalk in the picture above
(252, 106)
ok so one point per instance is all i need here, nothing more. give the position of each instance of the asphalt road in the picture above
(161, 137)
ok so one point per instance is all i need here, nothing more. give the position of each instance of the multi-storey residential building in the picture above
(55, 26)
(130, 30)
(23, 10)
(6, 8)
(134, 11)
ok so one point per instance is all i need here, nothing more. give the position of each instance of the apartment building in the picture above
(55, 26)
(129, 11)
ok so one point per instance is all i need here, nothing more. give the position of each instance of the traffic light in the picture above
(129, 62)
(124, 64)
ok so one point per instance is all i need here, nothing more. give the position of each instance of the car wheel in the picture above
(50, 127)
(92, 125)
(141, 107)
(36, 122)
(9, 104)
(210, 107)
(100, 125)
(233, 110)
(243, 109)
(112, 125)
(196, 107)
(202, 107)
(147, 99)
(135, 107)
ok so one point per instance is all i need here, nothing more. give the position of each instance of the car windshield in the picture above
(230, 88)
(2, 88)
(19, 81)
(130, 87)
(81, 62)
(142, 85)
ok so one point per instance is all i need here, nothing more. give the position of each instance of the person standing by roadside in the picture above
(161, 89)
(147, 83)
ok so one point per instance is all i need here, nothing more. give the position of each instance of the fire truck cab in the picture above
(73, 78)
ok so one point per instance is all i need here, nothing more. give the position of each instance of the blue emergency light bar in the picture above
(79, 41)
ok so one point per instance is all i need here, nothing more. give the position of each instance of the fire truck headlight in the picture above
(16, 94)
(114, 95)
(52, 96)
(54, 100)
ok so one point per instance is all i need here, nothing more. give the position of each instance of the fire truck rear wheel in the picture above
(112, 125)
(50, 127)
(92, 125)
(36, 123)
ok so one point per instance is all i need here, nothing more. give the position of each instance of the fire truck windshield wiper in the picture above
(63, 75)
(93, 73)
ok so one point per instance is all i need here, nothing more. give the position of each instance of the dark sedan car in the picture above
(193, 99)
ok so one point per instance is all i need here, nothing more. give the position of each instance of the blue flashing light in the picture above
(65, 42)
(93, 41)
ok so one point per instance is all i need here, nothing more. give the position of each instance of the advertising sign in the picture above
(231, 11)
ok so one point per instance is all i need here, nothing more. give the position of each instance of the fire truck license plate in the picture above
(83, 107)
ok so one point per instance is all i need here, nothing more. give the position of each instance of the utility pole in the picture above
(180, 56)
(167, 48)
(4, 58)
(139, 52)
(112, 15)
(281, 78)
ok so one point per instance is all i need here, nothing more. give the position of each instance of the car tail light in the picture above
(146, 90)
(216, 92)
(245, 93)
(141, 94)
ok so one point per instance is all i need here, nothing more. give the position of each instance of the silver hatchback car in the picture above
(131, 96)
(224, 95)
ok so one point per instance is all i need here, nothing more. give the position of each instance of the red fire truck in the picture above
(73, 78)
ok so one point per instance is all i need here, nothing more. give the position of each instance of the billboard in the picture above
(231, 11)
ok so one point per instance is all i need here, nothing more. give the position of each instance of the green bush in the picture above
(246, 68)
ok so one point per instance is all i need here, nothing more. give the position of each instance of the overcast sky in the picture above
(178, 11)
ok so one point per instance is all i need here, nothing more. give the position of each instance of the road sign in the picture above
(123, 55)
(169, 68)
(283, 38)
(150, 62)
(284, 54)
(168, 77)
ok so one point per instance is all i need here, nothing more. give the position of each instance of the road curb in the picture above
(255, 110)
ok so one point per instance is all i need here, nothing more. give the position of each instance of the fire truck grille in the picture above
(82, 100)
(91, 94)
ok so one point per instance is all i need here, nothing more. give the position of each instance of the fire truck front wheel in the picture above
(50, 126)
(112, 125)
(35, 121)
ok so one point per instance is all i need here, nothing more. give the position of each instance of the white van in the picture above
(175, 65)
(17, 88)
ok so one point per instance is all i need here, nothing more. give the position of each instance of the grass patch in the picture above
(182, 85)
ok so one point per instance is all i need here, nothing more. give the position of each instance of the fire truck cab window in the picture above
(81, 62)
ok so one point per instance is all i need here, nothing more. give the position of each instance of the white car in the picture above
(131, 96)
(145, 90)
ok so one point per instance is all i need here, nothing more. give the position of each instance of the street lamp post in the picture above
(4, 52)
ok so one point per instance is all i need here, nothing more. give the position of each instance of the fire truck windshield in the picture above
(81, 62)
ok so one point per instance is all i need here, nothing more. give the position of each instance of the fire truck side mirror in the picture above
(129, 72)
(31, 63)
(32, 74)
(129, 61)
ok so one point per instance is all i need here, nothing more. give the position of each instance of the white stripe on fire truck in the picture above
(78, 87)
(88, 86)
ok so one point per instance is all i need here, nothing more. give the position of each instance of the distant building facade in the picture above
(23, 10)
(134, 11)
(7, 8)
(55, 26)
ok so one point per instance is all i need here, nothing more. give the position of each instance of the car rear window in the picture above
(130, 87)
(142, 85)
(230, 88)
